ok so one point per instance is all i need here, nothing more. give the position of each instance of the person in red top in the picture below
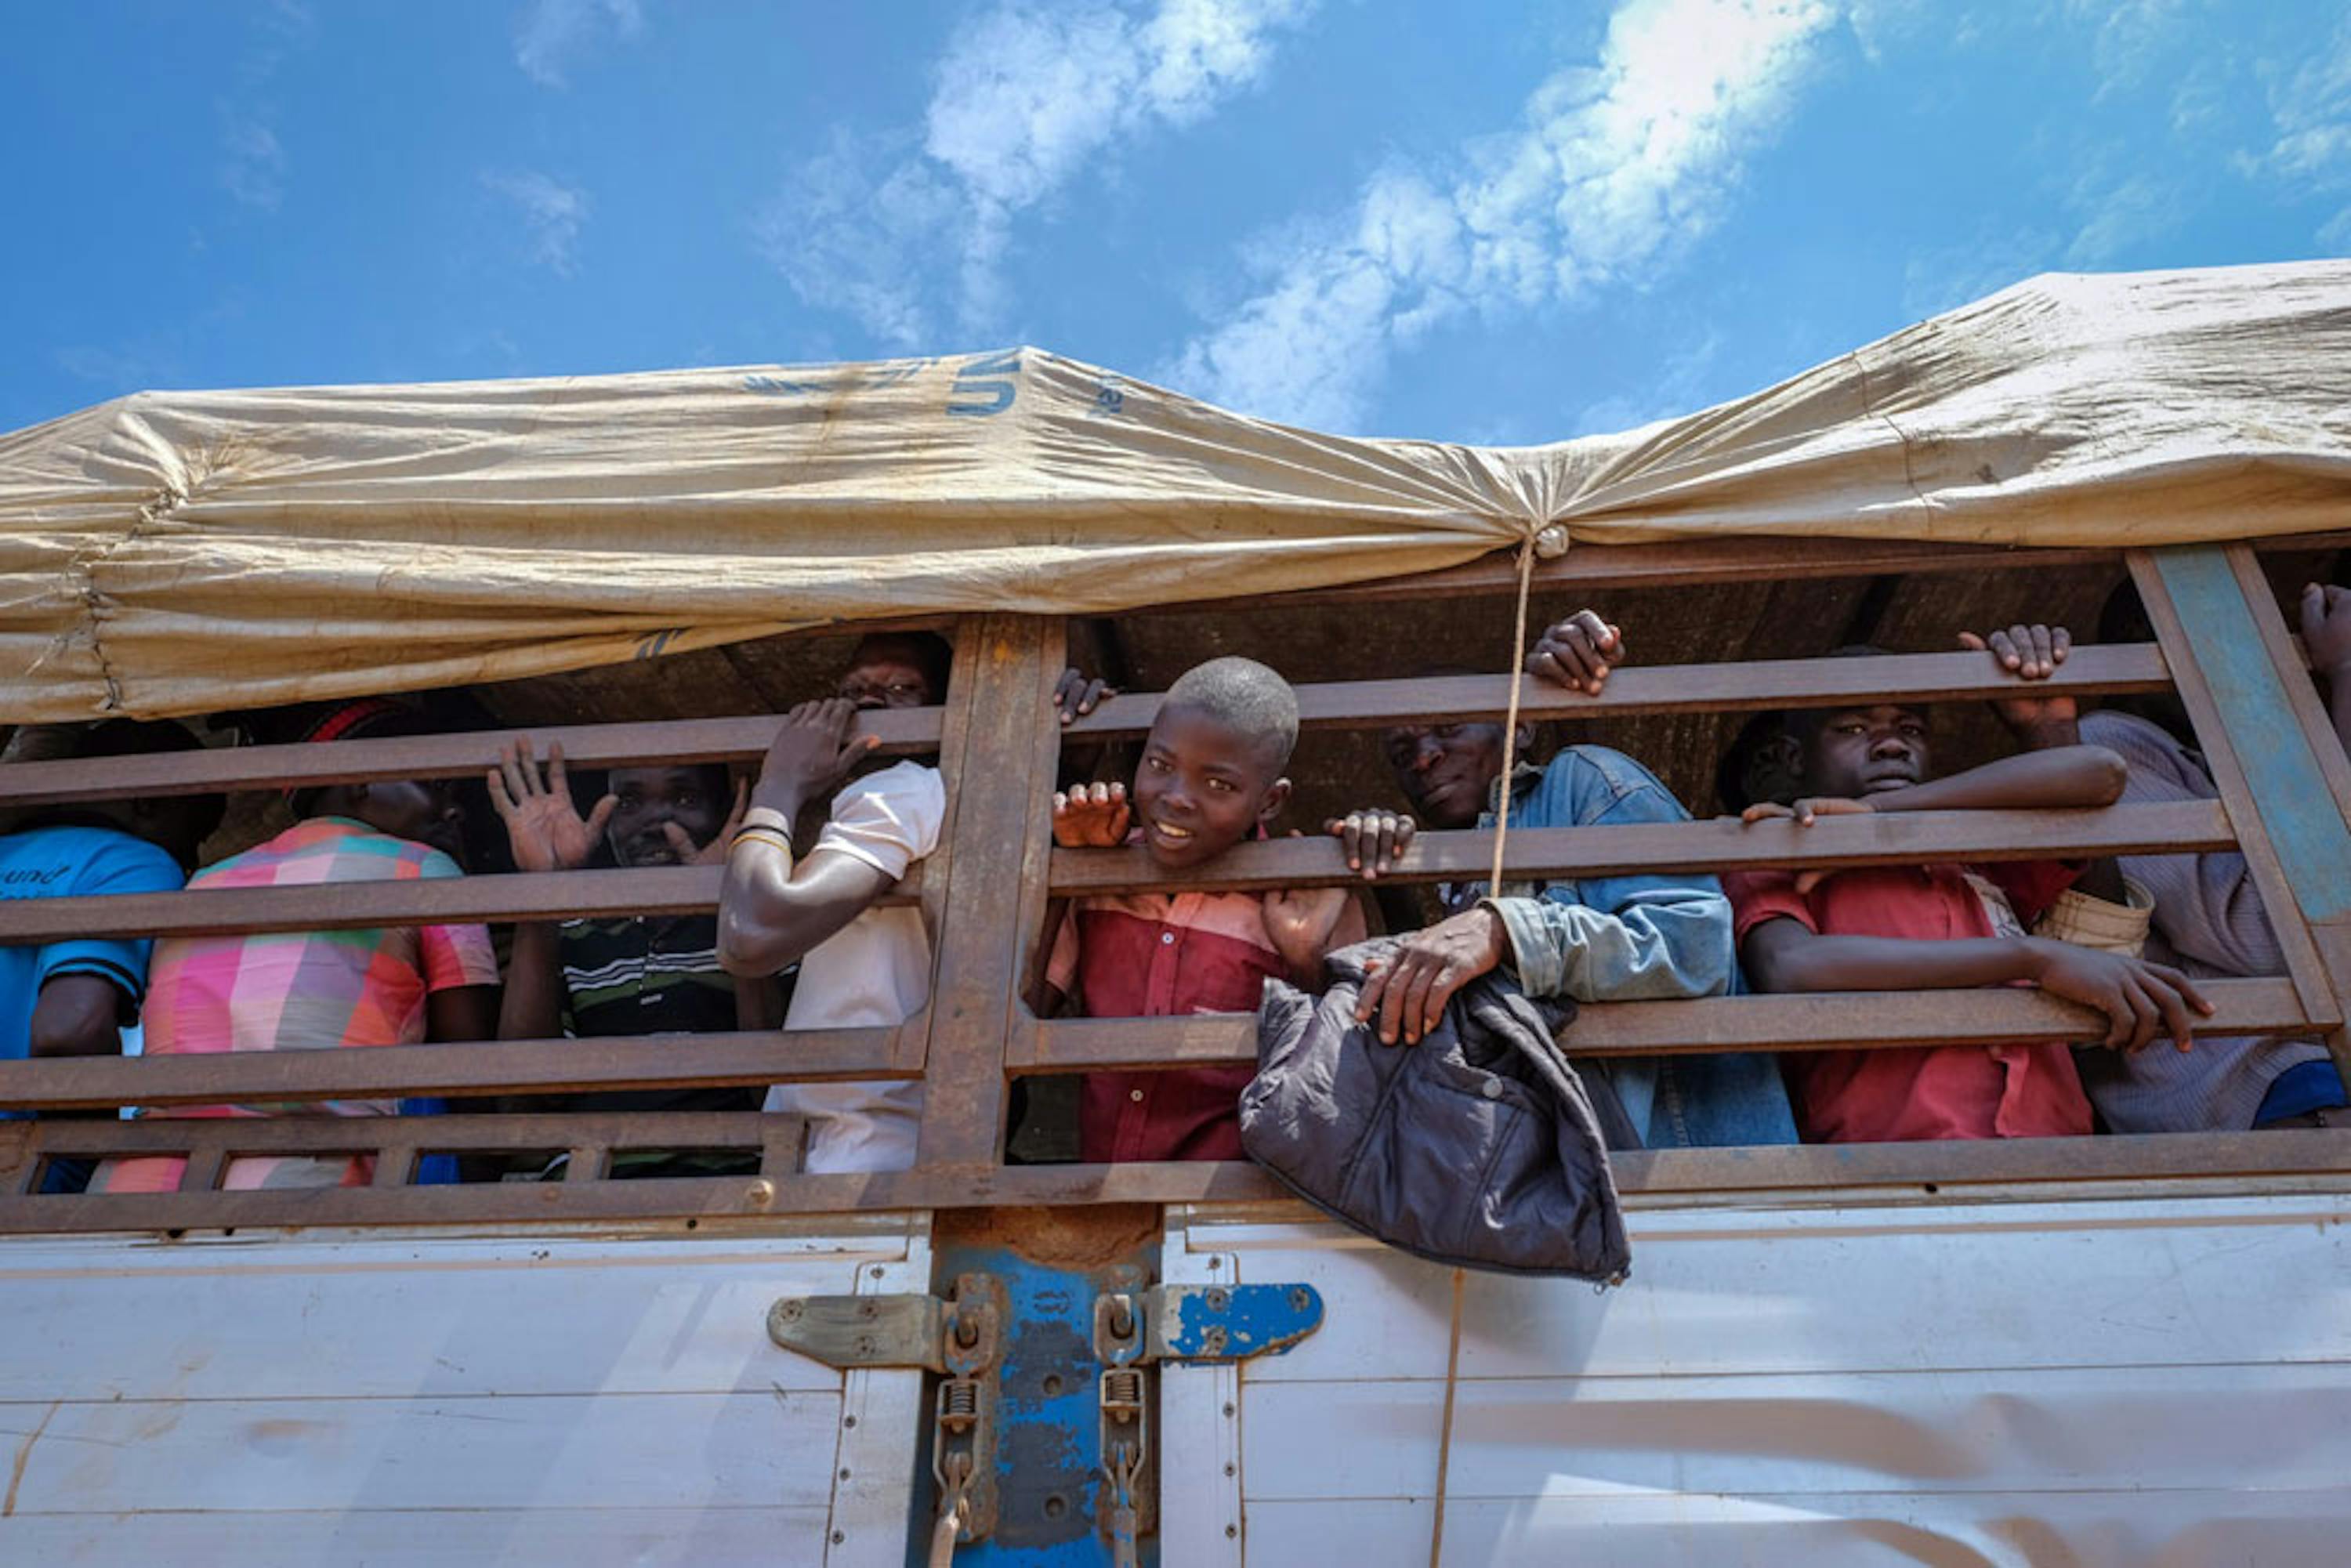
(1894, 929)
(1210, 775)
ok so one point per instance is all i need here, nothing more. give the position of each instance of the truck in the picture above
(2106, 1350)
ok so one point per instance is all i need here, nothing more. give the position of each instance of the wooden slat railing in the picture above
(1784, 1022)
(347, 906)
(1719, 845)
(1759, 684)
(1005, 671)
(503, 1067)
(743, 740)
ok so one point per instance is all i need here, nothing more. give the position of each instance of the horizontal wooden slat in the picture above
(741, 739)
(1763, 684)
(1937, 1171)
(1676, 563)
(1779, 1023)
(614, 1131)
(1695, 563)
(510, 1067)
(2165, 1157)
(1716, 845)
(344, 906)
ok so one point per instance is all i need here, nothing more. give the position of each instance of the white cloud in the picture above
(2311, 107)
(108, 368)
(252, 167)
(550, 34)
(1027, 97)
(253, 162)
(2131, 37)
(1947, 277)
(1678, 386)
(2122, 215)
(1613, 168)
(552, 213)
(854, 229)
(2334, 233)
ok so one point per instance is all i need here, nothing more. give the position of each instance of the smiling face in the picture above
(1859, 752)
(1445, 770)
(652, 798)
(1201, 787)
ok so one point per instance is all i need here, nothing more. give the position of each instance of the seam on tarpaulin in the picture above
(1871, 410)
(97, 603)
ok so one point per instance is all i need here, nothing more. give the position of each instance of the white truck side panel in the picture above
(578, 1397)
(2118, 1380)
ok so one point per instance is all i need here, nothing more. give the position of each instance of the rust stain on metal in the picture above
(25, 1457)
(1091, 1237)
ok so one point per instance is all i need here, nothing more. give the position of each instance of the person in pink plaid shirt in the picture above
(318, 990)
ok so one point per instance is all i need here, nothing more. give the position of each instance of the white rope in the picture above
(1510, 725)
(1445, 1431)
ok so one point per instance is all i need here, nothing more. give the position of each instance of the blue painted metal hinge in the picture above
(1203, 1322)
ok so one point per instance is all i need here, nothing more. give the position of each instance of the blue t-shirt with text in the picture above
(68, 863)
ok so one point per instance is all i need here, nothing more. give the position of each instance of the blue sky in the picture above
(1482, 221)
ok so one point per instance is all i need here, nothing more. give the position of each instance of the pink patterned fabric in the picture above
(301, 990)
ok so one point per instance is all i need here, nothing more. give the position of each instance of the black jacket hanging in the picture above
(1479, 1147)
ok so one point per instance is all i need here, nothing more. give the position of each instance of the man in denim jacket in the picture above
(1595, 939)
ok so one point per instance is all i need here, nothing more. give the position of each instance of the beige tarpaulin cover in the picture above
(181, 552)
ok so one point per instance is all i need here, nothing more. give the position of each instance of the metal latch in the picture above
(1205, 1322)
(961, 1338)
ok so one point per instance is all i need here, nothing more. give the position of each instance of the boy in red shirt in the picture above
(1897, 928)
(1210, 776)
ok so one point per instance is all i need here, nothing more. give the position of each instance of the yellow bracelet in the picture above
(768, 836)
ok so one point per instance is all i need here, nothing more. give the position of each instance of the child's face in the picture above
(1858, 752)
(1201, 789)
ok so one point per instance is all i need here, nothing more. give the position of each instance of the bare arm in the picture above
(2061, 776)
(531, 1006)
(2140, 1000)
(771, 912)
(462, 1013)
(759, 1002)
(77, 1015)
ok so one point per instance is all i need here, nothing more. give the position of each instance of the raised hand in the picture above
(1074, 695)
(714, 852)
(811, 756)
(544, 829)
(1577, 653)
(2142, 1001)
(1092, 816)
(1372, 837)
(2031, 653)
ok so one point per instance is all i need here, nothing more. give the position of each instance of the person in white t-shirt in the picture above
(861, 964)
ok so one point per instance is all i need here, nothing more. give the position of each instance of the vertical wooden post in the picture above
(2222, 641)
(1001, 739)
